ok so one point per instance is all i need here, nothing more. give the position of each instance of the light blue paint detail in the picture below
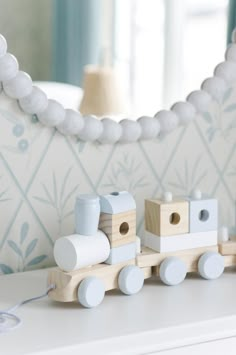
(91, 292)
(23, 145)
(76, 38)
(172, 271)
(130, 280)
(122, 253)
(203, 215)
(211, 265)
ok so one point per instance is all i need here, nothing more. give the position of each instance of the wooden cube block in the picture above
(166, 218)
(120, 228)
(122, 253)
(203, 215)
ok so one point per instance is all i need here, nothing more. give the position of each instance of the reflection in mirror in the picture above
(159, 51)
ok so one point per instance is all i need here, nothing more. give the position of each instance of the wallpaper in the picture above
(41, 172)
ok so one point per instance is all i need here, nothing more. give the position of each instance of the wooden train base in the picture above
(72, 286)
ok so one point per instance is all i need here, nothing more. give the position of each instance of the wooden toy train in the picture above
(181, 236)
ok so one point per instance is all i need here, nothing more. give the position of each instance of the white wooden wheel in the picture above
(172, 271)
(211, 265)
(130, 280)
(91, 292)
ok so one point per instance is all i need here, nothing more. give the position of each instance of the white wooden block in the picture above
(203, 215)
(121, 253)
(138, 245)
(180, 241)
(117, 202)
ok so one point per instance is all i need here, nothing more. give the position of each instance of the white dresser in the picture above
(196, 317)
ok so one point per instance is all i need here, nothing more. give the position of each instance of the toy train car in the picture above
(181, 236)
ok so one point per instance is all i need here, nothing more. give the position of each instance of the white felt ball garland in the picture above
(34, 103)
(168, 121)
(53, 115)
(131, 131)
(19, 86)
(111, 131)
(230, 54)
(92, 129)
(185, 111)
(215, 86)
(226, 71)
(150, 127)
(3, 46)
(8, 67)
(72, 124)
(200, 100)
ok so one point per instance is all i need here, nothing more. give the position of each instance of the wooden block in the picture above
(230, 260)
(166, 218)
(228, 248)
(203, 215)
(180, 242)
(121, 253)
(149, 257)
(67, 282)
(120, 228)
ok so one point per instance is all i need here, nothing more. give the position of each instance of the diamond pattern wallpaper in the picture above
(42, 171)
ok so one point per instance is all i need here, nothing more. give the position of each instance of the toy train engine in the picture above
(105, 260)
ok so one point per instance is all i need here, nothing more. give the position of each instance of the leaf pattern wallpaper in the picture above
(41, 172)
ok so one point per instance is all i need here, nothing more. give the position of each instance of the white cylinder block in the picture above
(77, 251)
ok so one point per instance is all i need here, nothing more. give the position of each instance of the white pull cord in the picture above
(9, 321)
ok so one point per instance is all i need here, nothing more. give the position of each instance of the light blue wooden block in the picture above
(203, 215)
(117, 202)
(122, 253)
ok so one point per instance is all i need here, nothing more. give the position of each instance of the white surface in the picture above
(180, 241)
(77, 251)
(158, 318)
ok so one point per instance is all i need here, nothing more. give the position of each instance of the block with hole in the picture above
(167, 216)
(203, 213)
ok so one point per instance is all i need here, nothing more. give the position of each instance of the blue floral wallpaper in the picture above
(42, 171)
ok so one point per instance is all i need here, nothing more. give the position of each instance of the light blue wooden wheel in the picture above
(91, 292)
(211, 265)
(130, 280)
(172, 271)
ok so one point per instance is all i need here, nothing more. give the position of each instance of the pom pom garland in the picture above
(53, 115)
(19, 86)
(36, 102)
(32, 100)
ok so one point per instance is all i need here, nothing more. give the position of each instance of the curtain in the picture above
(76, 38)
(231, 19)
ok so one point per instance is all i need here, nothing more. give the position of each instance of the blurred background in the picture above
(160, 49)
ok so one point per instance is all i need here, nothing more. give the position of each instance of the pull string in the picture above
(9, 321)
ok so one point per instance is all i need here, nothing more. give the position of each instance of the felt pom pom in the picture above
(72, 124)
(53, 115)
(226, 71)
(131, 131)
(185, 111)
(111, 131)
(34, 103)
(8, 67)
(215, 86)
(168, 120)
(150, 127)
(200, 100)
(92, 129)
(19, 86)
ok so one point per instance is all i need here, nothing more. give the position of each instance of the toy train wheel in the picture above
(130, 280)
(91, 292)
(172, 271)
(211, 265)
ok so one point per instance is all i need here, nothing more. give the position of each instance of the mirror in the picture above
(159, 51)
